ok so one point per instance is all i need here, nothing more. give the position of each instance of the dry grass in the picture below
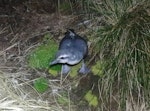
(17, 94)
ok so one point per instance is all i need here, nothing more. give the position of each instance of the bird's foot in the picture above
(84, 69)
(65, 69)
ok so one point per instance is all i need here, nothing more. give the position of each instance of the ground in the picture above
(20, 32)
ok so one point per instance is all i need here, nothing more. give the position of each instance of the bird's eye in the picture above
(62, 57)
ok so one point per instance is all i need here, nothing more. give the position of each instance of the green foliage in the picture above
(74, 70)
(41, 84)
(98, 68)
(42, 55)
(91, 99)
(54, 70)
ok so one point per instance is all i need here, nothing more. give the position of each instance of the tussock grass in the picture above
(124, 43)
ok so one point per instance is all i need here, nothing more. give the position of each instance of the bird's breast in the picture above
(76, 43)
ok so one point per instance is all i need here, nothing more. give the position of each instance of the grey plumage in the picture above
(72, 50)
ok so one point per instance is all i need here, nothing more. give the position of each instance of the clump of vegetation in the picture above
(98, 68)
(124, 41)
(41, 84)
(42, 55)
(91, 99)
(74, 70)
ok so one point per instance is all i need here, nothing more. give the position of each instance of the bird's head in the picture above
(67, 57)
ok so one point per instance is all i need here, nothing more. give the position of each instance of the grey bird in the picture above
(72, 50)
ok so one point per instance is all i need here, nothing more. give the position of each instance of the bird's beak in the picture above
(53, 62)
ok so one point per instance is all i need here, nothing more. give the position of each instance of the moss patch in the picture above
(41, 85)
(98, 68)
(91, 98)
(42, 55)
(74, 70)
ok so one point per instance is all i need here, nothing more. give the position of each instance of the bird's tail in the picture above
(71, 33)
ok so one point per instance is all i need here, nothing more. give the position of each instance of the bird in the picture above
(72, 50)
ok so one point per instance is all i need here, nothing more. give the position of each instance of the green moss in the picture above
(54, 70)
(91, 98)
(41, 84)
(74, 70)
(42, 55)
(98, 68)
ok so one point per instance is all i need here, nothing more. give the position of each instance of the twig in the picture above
(10, 47)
